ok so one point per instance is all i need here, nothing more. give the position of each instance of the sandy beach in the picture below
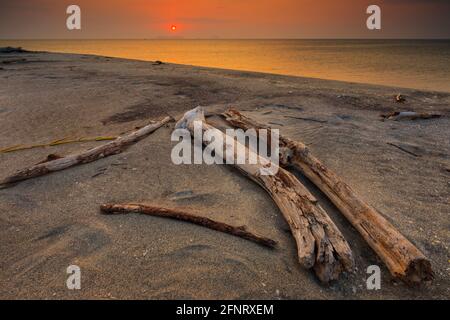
(402, 168)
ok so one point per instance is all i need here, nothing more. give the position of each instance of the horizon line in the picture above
(236, 39)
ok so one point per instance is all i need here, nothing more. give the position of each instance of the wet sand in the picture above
(51, 222)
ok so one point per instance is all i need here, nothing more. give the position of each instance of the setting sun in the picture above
(173, 28)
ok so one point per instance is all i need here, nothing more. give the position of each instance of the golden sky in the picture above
(43, 19)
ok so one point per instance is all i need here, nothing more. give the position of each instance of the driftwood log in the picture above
(61, 163)
(409, 115)
(188, 216)
(320, 245)
(402, 258)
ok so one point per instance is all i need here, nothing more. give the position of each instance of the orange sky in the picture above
(44, 19)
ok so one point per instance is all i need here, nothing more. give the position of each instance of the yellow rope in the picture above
(54, 143)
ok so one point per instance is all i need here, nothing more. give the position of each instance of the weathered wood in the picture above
(113, 147)
(320, 245)
(399, 98)
(307, 119)
(409, 115)
(402, 258)
(188, 216)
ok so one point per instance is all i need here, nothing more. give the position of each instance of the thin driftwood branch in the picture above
(188, 216)
(113, 147)
(320, 245)
(403, 259)
(403, 149)
(409, 115)
(307, 119)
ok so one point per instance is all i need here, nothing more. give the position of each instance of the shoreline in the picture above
(54, 221)
(282, 56)
(262, 73)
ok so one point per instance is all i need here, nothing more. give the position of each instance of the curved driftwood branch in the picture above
(401, 257)
(113, 147)
(188, 216)
(320, 245)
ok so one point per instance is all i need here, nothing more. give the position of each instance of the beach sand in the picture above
(51, 222)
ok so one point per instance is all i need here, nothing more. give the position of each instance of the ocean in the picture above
(418, 64)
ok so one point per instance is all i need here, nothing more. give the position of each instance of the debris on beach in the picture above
(99, 172)
(403, 149)
(402, 258)
(400, 99)
(307, 119)
(276, 124)
(309, 222)
(111, 148)
(187, 215)
(408, 115)
(12, 50)
(157, 63)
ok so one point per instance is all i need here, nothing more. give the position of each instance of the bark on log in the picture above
(402, 258)
(320, 245)
(113, 147)
(188, 216)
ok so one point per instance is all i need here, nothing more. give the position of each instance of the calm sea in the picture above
(420, 64)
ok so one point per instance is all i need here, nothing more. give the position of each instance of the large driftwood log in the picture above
(320, 245)
(402, 258)
(113, 147)
(188, 216)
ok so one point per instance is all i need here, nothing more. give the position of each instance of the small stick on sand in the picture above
(320, 244)
(409, 115)
(399, 98)
(403, 259)
(403, 149)
(188, 216)
(111, 148)
(307, 119)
